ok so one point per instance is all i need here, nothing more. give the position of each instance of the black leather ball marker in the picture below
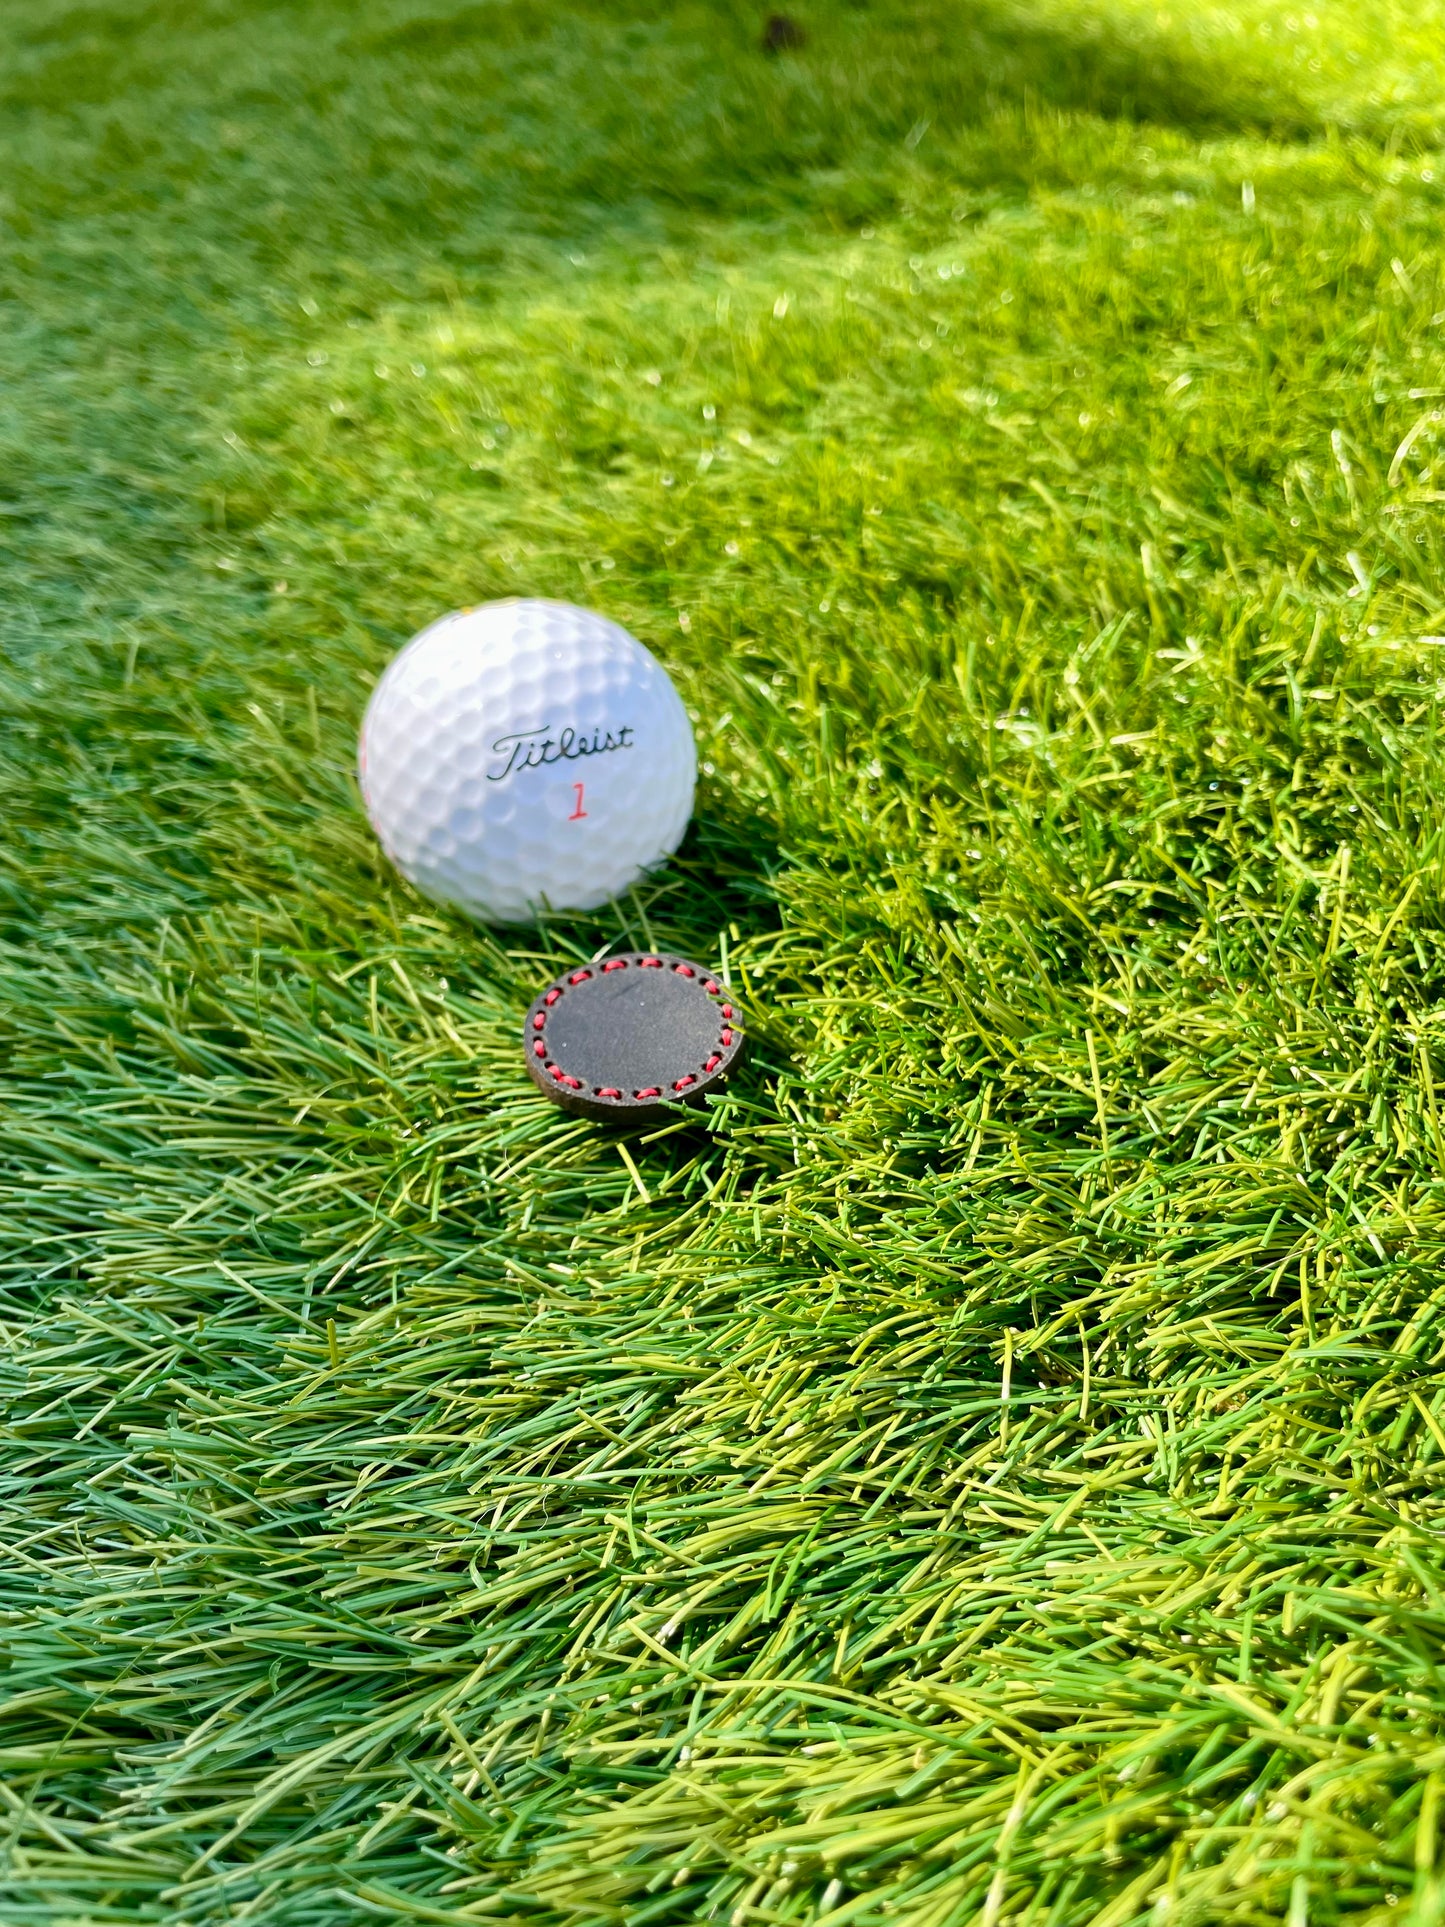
(631, 1036)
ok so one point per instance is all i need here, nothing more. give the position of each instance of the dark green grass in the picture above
(992, 1473)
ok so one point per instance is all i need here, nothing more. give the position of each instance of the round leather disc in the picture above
(629, 1036)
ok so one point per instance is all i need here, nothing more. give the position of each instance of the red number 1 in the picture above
(579, 812)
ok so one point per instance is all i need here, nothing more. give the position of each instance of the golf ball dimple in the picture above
(526, 756)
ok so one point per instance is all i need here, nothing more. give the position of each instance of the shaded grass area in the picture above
(990, 1474)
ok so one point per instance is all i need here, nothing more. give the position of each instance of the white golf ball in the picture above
(526, 756)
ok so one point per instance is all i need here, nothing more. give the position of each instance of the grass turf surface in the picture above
(993, 1474)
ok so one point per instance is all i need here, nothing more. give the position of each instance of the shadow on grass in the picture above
(317, 142)
(1135, 72)
(714, 895)
(881, 65)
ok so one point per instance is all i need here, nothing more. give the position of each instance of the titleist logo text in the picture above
(534, 748)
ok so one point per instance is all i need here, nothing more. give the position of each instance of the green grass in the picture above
(994, 1475)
